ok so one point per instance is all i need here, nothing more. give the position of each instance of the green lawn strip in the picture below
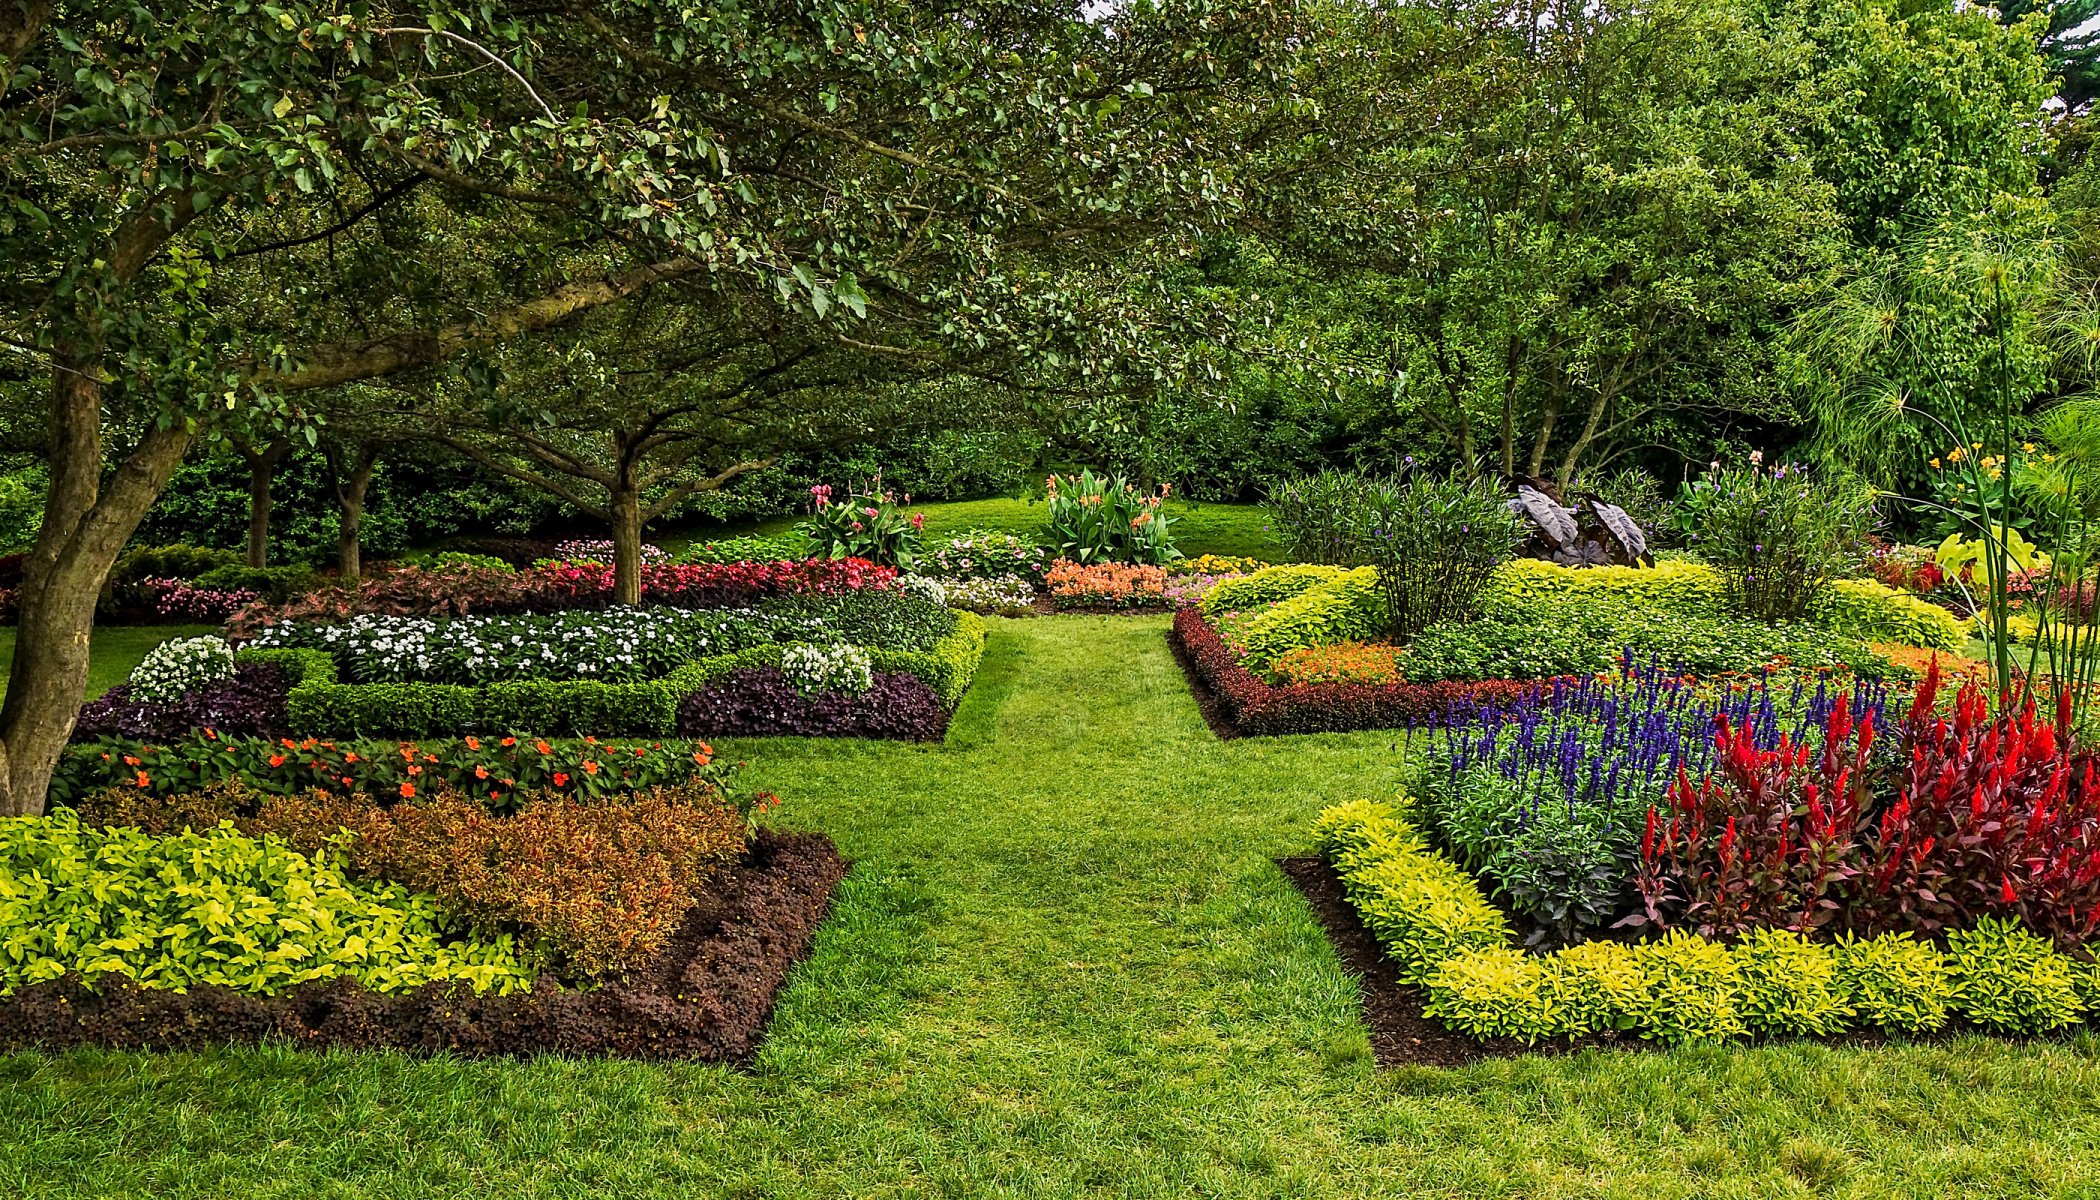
(1064, 966)
(112, 653)
(1198, 528)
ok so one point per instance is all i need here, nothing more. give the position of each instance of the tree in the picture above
(206, 208)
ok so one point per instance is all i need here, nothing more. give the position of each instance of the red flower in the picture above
(561, 779)
(408, 791)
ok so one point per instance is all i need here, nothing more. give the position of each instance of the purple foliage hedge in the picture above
(252, 702)
(762, 702)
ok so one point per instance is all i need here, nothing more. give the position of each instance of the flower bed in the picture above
(706, 995)
(1252, 706)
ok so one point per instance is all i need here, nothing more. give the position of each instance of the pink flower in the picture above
(872, 512)
(918, 521)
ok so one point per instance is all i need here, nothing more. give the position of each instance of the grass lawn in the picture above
(1064, 965)
(1198, 528)
(115, 650)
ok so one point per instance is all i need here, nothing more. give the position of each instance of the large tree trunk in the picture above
(350, 511)
(262, 471)
(1544, 439)
(85, 528)
(626, 510)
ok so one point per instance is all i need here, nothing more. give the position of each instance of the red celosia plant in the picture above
(1989, 816)
(1994, 817)
(1766, 838)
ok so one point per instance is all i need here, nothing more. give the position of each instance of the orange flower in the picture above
(143, 781)
(473, 743)
(277, 760)
(130, 760)
(346, 781)
(543, 747)
(415, 769)
(481, 772)
(561, 779)
(349, 756)
(589, 767)
(408, 791)
(510, 741)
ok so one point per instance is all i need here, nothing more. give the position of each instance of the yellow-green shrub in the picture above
(1422, 908)
(1602, 986)
(1789, 985)
(1265, 586)
(1896, 982)
(216, 907)
(1694, 989)
(2008, 979)
(1875, 612)
(1689, 588)
(1497, 991)
(1346, 608)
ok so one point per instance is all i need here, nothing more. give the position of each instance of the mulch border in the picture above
(708, 996)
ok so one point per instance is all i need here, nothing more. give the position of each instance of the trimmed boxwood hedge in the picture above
(319, 704)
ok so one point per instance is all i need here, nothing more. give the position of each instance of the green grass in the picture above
(113, 652)
(1198, 528)
(1064, 965)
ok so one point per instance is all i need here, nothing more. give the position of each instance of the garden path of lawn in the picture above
(1064, 965)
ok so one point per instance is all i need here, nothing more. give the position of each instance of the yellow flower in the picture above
(2048, 458)
(1975, 445)
(2027, 446)
(1935, 464)
(1955, 455)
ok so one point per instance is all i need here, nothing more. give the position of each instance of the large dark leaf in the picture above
(1623, 528)
(1557, 523)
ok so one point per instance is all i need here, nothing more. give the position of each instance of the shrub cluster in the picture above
(1586, 642)
(1006, 595)
(176, 668)
(986, 554)
(218, 907)
(1680, 988)
(1107, 519)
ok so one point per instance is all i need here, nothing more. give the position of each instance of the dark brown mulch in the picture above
(708, 996)
(1400, 1034)
(1207, 699)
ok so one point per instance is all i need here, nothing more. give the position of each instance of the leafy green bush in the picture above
(1582, 642)
(1602, 986)
(2008, 979)
(1436, 541)
(1565, 865)
(194, 909)
(1497, 991)
(1694, 990)
(1320, 518)
(1790, 985)
(786, 547)
(1534, 586)
(176, 561)
(1777, 535)
(1346, 608)
(275, 584)
(877, 618)
(1264, 587)
(1419, 905)
(1874, 612)
(1101, 518)
(1896, 982)
(460, 560)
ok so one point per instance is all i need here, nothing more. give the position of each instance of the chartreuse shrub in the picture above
(1896, 982)
(1532, 585)
(1876, 612)
(2008, 979)
(1603, 986)
(1266, 586)
(1790, 985)
(1499, 991)
(1418, 903)
(1694, 992)
(217, 907)
(1346, 608)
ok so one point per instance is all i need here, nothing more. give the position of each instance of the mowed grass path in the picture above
(1063, 965)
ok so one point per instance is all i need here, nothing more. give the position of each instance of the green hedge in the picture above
(1266, 586)
(1526, 584)
(1443, 934)
(320, 705)
(1875, 612)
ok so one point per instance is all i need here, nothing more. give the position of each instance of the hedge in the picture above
(1266, 586)
(1875, 612)
(1346, 608)
(1443, 935)
(319, 704)
(1691, 588)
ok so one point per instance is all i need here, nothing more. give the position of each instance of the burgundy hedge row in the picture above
(761, 702)
(708, 996)
(1255, 707)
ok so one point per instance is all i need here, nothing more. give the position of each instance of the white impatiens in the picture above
(174, 669)
(993, 594)
(814, 670)
(924, 588)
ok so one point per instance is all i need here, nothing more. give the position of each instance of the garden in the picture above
(1193, 598)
